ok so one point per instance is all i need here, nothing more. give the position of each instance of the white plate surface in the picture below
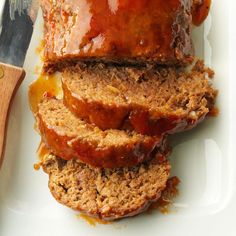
(204, 159)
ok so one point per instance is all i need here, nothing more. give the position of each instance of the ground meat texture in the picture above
(106, 193)
(122, 31)
(151, 101)
(72, 138)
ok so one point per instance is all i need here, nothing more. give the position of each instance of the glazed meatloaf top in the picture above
(106, 193)
(72, 138)
(151, 101)
(120, 31)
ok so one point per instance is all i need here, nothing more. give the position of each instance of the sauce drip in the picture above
(200, 11)
(214, 112)
(37, 166)
(144, 125)
(42, 150)
(92, 221)
(44, 85)
(164, 202)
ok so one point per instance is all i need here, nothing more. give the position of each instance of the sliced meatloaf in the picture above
(122, 31)
(72, 138)
(106, 193)
(151, 101)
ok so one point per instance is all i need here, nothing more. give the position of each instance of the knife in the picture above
(16, 28)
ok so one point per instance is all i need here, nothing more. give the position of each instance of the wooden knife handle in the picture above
(10, 80)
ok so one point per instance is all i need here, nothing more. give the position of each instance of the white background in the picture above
(203, 158)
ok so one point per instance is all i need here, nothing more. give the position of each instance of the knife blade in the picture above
(16, 31)
(16, 28)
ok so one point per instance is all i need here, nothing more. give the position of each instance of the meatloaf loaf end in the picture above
(122, 31)
(106, 193)
(72, 138)
(151, 101)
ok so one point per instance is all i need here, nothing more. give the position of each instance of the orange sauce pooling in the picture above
(200, 11)
(92, 221)
(164, 202)
(44, 85)
(42, 151)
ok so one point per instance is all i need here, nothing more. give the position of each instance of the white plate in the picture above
(204, 159)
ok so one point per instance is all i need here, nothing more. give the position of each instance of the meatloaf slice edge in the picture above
(106, 193)
(72, 138)
(151, 101)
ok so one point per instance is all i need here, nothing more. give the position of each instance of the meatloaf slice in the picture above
(150, 101)
(106, 193)
(72, 138)
(139, 31)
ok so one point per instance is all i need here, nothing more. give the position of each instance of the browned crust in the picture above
(110, 156)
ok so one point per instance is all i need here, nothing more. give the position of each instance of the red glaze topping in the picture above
(200, 11)
(156, 30)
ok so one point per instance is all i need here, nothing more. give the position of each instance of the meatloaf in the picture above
(121, 31)
(151, 101)
(106, 193)
(72, 138)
